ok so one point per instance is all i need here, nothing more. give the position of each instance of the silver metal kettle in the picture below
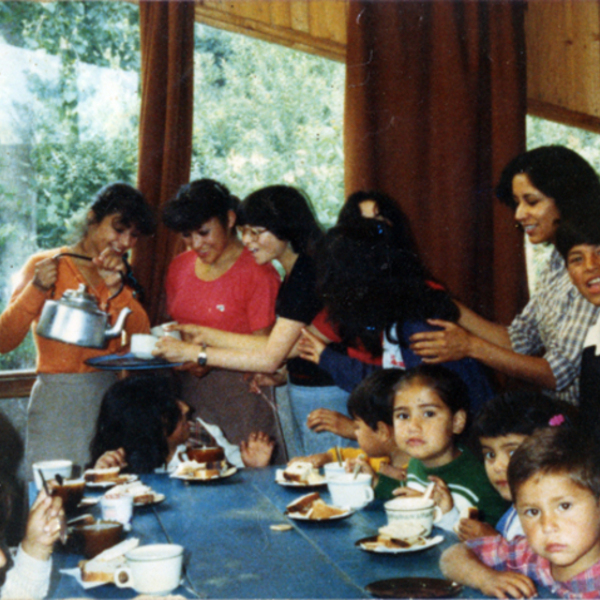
(77, 319)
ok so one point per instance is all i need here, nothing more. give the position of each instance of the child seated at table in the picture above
(430, 413)
(144, 427)
(499, 429)
(370, 404)
(28, 574)
(555, 483)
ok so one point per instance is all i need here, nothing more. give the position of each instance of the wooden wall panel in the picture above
(563, 61)
(315, 26)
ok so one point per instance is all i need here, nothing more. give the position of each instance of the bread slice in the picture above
(102, 568)
(313, 507)
(100, 475)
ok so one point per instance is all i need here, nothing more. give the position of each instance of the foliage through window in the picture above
(69, 113)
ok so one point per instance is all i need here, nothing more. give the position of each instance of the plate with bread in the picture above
(143, 495)
(299, 474)
(107, 477)
(397, 538)
(312, 507)
(194, 471)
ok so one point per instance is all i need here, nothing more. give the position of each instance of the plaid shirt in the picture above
(555, 323)
(517, 555)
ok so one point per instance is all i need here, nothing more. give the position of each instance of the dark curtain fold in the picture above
(435, 107)
(165, 145)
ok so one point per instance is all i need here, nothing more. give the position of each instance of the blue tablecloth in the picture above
(231, 552)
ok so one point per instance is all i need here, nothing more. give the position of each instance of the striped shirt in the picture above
(554, 324)
(517, 555)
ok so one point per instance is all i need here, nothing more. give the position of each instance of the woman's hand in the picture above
(194, 334)
(112, 458)
(111, 267)
(44, 524)
(470, 529)
(310, 346)
(259, 380)
(323, 419)
(45, 274)
(174, 350)
(451, 343)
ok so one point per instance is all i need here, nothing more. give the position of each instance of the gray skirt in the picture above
(61, 416)
(223, 398)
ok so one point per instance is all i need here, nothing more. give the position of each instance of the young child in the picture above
(499, 429)
(430, 413)
(370, 405)
(578, 241)
(142, 425)
(28, 576)
(555, 483)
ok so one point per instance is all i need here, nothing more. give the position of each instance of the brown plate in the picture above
(414, 587)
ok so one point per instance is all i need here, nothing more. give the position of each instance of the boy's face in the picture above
(561, 521)
(373, 443)
(496, 456)
(424, 426)
(583, 264)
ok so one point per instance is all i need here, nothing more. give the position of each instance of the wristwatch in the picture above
(202, 356)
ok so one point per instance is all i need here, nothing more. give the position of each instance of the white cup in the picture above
(413, 509)
(142, 345)
(333, 469)
(152, 569)
(346, 490)
(117, 507)
(50, 469)
(160, 331)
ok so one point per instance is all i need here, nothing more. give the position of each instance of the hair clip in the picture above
(556, 420)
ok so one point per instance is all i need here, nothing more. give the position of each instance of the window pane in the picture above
(69, 105)
(265, 114)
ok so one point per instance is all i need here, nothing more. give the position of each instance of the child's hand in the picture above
(112, 458)
(441, 494)
(398, 473)
(43, 526)
(361, 460)
(406, 491)
(310, 346)
(316, 460)
(469, 529)
(323, 419)
(507, 584)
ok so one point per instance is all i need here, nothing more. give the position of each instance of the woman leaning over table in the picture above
(277, 224)
(66, 396)
(543, 345)
(216, 283)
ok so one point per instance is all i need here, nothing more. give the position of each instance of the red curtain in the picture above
(435, 107)
(165, 146)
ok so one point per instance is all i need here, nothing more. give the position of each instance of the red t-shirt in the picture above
(242, 300)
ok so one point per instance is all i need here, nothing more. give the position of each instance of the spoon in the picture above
(429, 491)
(63, 524)
(59, 479)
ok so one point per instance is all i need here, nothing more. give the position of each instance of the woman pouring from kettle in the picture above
(66, 396)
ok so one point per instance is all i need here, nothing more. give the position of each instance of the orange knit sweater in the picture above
(26, 305)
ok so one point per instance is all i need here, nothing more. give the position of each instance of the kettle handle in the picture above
(57, 256)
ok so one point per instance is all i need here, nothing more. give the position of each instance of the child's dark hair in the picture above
(372, 399)
(582, 228)
(138, 414)
(555, 451)
(517, 412)
(448, 385)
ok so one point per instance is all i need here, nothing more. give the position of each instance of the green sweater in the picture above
(468, 483)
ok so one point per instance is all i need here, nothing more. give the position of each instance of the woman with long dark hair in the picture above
(544, 343)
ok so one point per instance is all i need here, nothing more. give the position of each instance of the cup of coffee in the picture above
(71, 492)
(50, 469)
(117, 507)
(205, 454)
(152, 569)
(160, 331)
(413, 509)
(333, 469)
(348, 490)
(142, 345)
(92, 539)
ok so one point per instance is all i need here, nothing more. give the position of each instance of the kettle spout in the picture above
(117, 328)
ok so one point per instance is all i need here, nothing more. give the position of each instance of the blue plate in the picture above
(128, 362)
